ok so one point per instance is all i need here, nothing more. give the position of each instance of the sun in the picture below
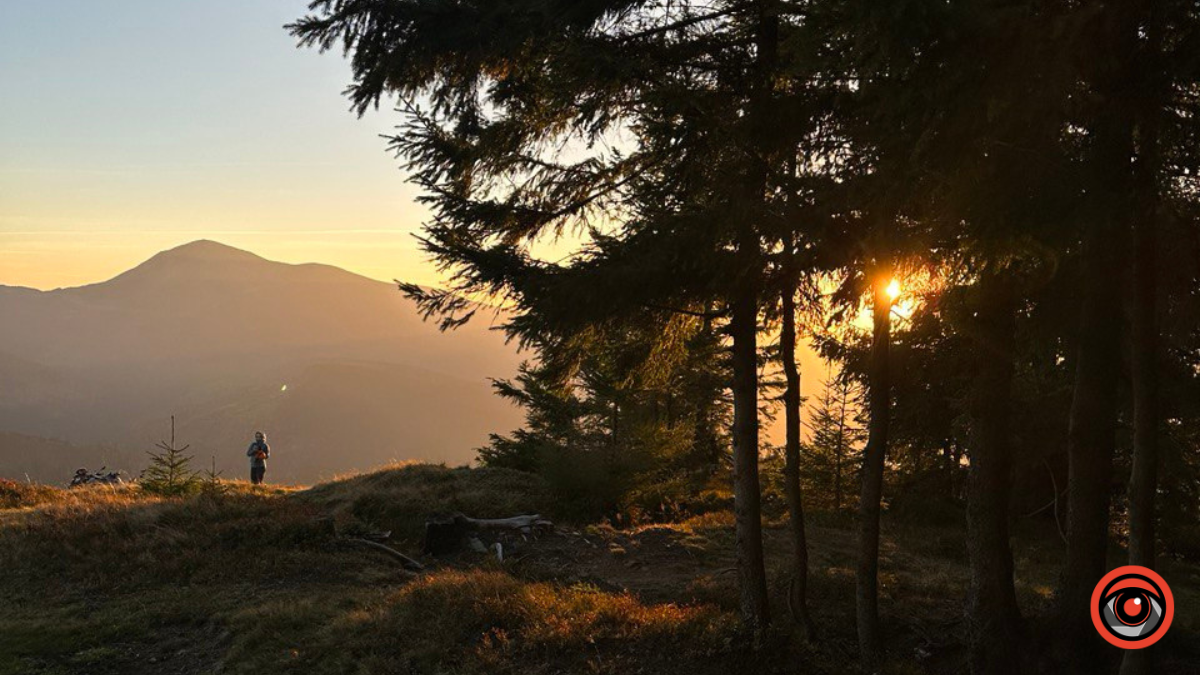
(893, 289)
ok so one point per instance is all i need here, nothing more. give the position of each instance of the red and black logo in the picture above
(1132, 607)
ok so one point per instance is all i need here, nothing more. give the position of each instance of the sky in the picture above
(130, 127)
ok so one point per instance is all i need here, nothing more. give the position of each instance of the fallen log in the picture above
(523, 523)
(452, 532)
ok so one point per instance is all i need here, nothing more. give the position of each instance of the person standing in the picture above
(258, 453)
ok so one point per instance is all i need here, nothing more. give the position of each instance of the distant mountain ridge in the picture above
(203, 329)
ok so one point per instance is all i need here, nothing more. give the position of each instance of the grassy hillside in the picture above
(263, 581)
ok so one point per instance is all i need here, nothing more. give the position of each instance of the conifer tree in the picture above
(170, 473)
(637, 411)
(691, 205)
(211, 483)
(835, 439)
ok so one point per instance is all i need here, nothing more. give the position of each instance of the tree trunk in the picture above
(1143, 478)
(839, 452)
(879, 405)
(1092, 426)
(1090, 446)
(1143, 317)
(1143, 351)
(1144, 375)
(993, 619)
(795, 496)
(743, 328)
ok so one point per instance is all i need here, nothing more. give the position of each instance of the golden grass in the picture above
(400, 499)
(255, 580)
(481, 621)
(14, 495)
(543, 614)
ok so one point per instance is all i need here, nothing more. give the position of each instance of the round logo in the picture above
(1132, 607)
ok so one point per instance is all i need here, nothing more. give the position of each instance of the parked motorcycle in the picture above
(83, 477)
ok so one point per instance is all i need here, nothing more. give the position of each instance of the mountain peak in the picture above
(204, 262)
(193, 262)
(206, 250)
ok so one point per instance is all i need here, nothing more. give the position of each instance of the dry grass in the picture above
(400, 499)
(478, 621)
(14, 495)
(106, 581)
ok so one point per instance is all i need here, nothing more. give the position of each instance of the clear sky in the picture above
(133, 126)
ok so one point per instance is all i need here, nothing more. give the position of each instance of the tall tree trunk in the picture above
(743, 328)
(993, 619)
(1143, 338)
(1143, 478)
(795, 496)
(1090, 446)
(879, 405)
(1092, 426)
(1144, 371)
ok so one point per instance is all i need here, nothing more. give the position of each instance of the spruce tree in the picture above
(637, 412)
(170, 473)
(211, 483)
(835, 439)
(685, 210)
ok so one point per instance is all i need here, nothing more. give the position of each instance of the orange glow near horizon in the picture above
(54, 260)
(46, 260)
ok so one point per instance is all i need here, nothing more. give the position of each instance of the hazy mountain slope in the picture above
(28, 381)
(201, 330)
(338, 417)
(206, 299)
(46, 460)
